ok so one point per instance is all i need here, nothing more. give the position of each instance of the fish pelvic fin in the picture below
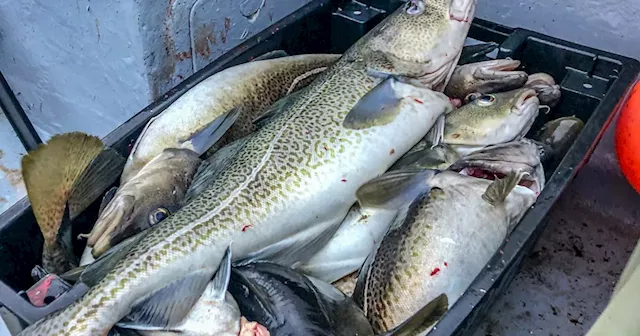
(395, 189)
(422, 319)
(50, 173)
(498, 190)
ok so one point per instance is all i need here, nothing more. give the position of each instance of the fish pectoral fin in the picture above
(295, 249)
(207, 136)
(211, 167)
(101, 173)
(423, 318)
(498, 190)
(271, 55)
(436, 134)
(223, 274)
(377, 107)
(94, 272)
(275, 109)
(395, 189)
(108, 196)
(168, 306)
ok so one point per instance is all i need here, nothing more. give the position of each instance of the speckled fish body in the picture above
(295, 178)
(251, 86)
(443, 239)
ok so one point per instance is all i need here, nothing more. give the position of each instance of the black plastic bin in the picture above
(592, 81)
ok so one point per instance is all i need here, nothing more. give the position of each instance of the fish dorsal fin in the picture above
(422, 319)
(275, 109)
(101, 173)
(395, 188)
(223, 274)
(498, 190)
(377, 107)
(50, 172)
(271, 55)
(205, 137)
(423, 159)
(166, 307)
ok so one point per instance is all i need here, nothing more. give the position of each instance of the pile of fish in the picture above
(353, 194)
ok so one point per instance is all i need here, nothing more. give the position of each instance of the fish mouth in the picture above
(488, 174)
(499, 68)
(115, 214)
(526, 101)
(497, 161)
(540, 78)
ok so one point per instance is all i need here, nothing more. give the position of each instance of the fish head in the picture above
(497, 161)
(423, 39)
(485, 77)
(148, 198)
(492, 118)
(548, 91)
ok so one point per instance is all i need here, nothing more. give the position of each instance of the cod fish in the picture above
(449, 225)
(146, 199)
(63, 177)
(234, 96)
(485, 77)
(216, 313)
(363, 227)
(286, 191)
(490, 119)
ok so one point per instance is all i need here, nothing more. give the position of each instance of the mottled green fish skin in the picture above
(296, 174)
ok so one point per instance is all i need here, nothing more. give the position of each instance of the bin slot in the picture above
(580, 82)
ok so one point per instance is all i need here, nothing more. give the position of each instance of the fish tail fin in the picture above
(498, 191)
(423, 319)
(49, 173)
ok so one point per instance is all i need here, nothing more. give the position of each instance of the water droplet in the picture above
(357, 12)
(587, 86)
(482, 290)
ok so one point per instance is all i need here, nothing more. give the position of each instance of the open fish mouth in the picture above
(527, 181)
(526, 102)
(500, 68)
(497, 161)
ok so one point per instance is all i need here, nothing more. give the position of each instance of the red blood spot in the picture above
(325, 147)
(392, 151)
(244, 228)
(418, 101)
(435, 271)
(344, 180)
(446, 264)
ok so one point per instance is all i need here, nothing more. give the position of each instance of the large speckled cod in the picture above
(286, 191)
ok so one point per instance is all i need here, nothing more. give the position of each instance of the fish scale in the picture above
(289, 193)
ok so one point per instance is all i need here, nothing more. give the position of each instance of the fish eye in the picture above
(158, 215)
(485, 100)
(415, 7)
(472, 96)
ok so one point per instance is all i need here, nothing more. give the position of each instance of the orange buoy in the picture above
(627, 138)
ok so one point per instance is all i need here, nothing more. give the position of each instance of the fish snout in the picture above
(115, 213)
(462, 10)
(526, 102)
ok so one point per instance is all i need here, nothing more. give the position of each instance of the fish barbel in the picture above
(285, 192)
